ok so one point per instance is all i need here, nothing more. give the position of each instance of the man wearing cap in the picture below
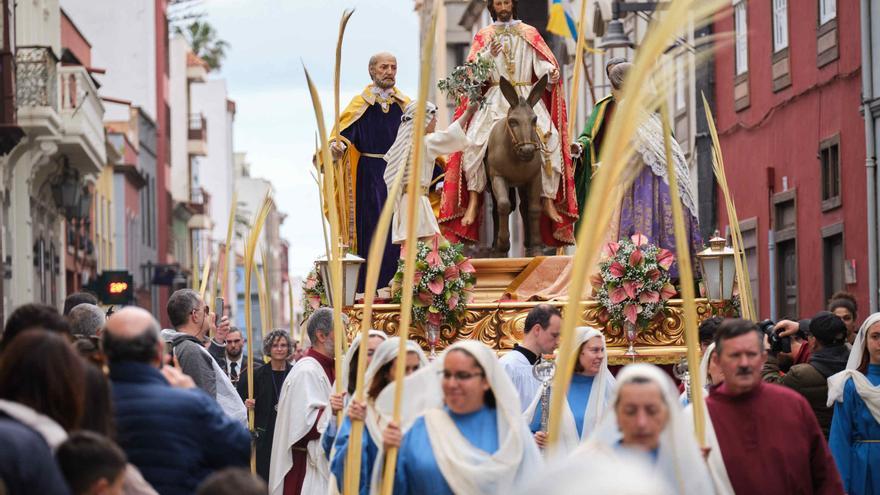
(828, 355)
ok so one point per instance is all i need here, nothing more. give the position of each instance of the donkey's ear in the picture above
(538, 91)
(509, 92)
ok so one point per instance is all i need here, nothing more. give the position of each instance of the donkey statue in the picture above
(515, 160)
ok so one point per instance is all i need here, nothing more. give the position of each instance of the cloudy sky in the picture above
(275, 124)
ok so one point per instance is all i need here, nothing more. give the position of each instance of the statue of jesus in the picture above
(522, 57)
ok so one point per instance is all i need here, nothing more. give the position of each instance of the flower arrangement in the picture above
(315, 294)
(467, 81)
(443, 283)
(633, 285)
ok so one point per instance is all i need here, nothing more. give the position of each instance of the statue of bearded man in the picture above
(521, 56)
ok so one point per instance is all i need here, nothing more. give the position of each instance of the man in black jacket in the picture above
(828, 356)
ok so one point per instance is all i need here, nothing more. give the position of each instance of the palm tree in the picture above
(202, 37)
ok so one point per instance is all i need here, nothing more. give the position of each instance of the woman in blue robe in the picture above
(469, 435)
(378, 375)
(855, 427)
(588, 394)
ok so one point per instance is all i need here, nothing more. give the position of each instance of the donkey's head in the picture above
(521, 120)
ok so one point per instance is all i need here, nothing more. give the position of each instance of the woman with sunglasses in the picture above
(468, 435)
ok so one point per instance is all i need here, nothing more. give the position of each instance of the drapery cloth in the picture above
(597, 404)
(679, 459)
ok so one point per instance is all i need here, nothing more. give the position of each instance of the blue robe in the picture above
(373, 133)
(417, 471)
(369, 451)
(857, 461)
(578, 395)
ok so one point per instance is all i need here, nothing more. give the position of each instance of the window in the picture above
(680, 82)
(780, 25)
(829, 159)
(742, 37)
(785, 229)
(832, 259)
(749, 230)
(827, 10)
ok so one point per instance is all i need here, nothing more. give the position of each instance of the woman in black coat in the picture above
(268, 380)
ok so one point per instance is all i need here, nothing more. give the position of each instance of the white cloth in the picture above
(679, 459)
(527, 66)
(465, 468)
(227, 395)
(51, 431)
(704, 373)
(715, 460)
(304, 394)
(519, 370)
(599, 401)
(868, 392)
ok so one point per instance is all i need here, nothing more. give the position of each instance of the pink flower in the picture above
(617, 269)
(611, 249)
(631, 312)
(604, 316)
(417, 278)
(452, 303)
(635, 259)
(451, 273)
(639, 239)
(433, 259)
(436, 285)
(649, 297)
(654, 275)
(617, 295)
(311, 283)
(596, 280)
(667, 292)
(632, 288)
(466, 266)
(665, 258)
(426, 298)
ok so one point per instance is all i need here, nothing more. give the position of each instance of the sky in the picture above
(275, 124)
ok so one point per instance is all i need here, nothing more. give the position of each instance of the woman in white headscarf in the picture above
(437, 143)
(710, 372)
(855, 427)
(468, 436)
(589, 393)
(379, 374)
(349, 370)
(646, 422)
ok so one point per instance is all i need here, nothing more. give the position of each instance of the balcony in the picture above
(197, 136)
(36, 91)
(199, 200)
(82, 116)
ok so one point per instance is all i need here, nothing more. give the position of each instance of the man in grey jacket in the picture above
(192, 320)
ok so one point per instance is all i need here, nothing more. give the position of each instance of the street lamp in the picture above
(719, 269)
(67, 191)
(350, 265)
(614, 36)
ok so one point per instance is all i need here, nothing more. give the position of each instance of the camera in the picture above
(777, 344)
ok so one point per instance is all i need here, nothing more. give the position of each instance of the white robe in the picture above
(519, 370)
(528, 67)
(304, 394)
(436, 144)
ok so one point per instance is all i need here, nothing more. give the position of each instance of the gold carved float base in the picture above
(500, 325)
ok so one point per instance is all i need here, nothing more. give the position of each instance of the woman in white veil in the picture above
(378, 375)
(855, 428)
(467, 435)
(589, 393)
(646, 422)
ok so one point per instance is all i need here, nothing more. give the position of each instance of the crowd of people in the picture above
(96, 404)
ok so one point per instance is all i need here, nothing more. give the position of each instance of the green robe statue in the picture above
(591, 141)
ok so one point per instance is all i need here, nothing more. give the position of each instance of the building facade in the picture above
(788, 97)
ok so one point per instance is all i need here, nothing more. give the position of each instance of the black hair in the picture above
(232, 481)
(87, 457)
(30, 316)
(78, 298)
(540, 315)
(708, 328)
(734, 327)
(491, 6)
(843, 300)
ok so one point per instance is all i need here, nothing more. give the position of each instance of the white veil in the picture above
(837, 382)
(679, 459)
(597, 404)
(466, 468)
(349, 355)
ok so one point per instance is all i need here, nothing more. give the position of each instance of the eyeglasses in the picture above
(459, 376)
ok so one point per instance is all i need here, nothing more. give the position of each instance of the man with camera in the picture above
(825, 341)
